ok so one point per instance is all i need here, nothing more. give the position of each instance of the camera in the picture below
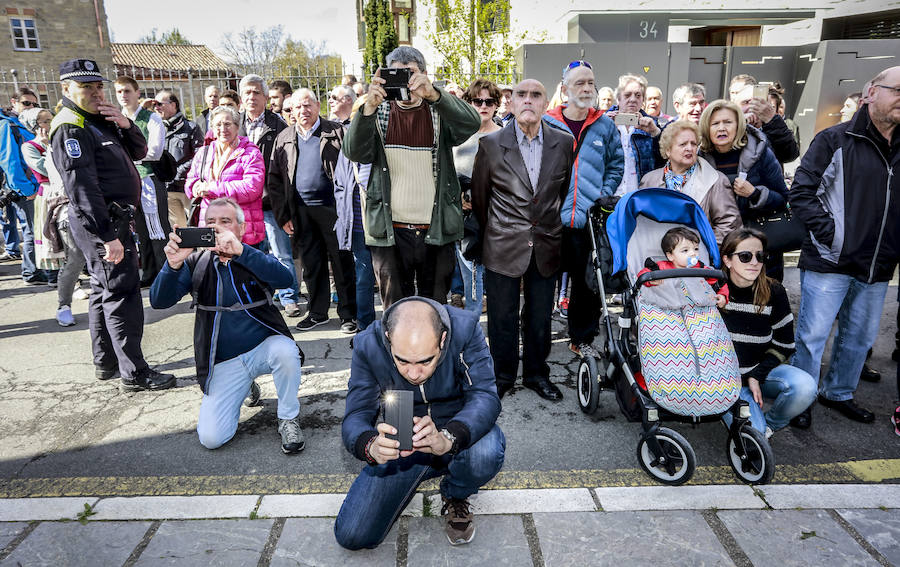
(396, 82)
(9, 196)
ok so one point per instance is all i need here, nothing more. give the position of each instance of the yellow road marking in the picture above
(871, 471)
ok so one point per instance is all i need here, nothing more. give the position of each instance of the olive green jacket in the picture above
(454, 122)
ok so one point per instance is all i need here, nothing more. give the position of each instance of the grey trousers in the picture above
(68, 275)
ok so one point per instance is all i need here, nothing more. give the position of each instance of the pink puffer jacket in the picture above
(241, 179)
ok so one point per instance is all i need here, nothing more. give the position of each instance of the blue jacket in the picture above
(598, 166)
(645, 148)
(18, 175)
(763, 172)
(460, 396)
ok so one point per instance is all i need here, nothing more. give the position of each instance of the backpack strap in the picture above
(198, 271)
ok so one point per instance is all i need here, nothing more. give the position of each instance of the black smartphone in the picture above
(396, 82)
(398, 413)
(196, 237)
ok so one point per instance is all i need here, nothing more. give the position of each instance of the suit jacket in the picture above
(272, 126)
(282, 172)
(202, 120)
(518, 221)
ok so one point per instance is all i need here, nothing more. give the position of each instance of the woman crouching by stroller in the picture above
(759, 318)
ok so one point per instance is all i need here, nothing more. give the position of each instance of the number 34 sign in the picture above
(649, 27)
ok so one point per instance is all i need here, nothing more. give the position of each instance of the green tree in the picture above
(474, 37)
(171, 37)
(381, 36)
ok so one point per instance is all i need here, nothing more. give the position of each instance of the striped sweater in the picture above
(764, 339)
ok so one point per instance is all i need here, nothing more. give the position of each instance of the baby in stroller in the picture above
(681, 246)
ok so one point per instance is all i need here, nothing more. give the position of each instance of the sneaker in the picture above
(253, 395)
(81, 294)
(582, 349)
(9, 257)
(148, 379)
(106, 373)
(310, 322)
(349, 326)
(460, 527)
(769, 432)
(895, 420)
(456, 300)
(292, 310)
(35, 279)
(53, 285)
(64, 316)
(291, 436)
(564, 307)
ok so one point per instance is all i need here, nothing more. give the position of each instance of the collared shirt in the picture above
(254, 127)
(532, 151)
(630, 179)
(305, 135)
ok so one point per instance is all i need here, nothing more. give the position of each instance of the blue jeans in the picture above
(220, 408)
(857, 306)
(792, 391)
(381, 492)
(456, 282)
(23, 210)
(365, 281)
(280, 246)
(473, 282)
(11, 229)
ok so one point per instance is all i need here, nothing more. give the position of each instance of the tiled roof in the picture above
(175, 57)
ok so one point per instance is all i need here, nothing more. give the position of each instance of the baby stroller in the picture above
(670, 357)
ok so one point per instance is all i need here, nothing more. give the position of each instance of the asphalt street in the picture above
(65, 433)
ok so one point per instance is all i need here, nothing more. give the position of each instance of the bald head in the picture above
(884, 101)
(416, 335)
(529, 103)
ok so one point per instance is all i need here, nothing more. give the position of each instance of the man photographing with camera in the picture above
(437, 357)
(238, 333)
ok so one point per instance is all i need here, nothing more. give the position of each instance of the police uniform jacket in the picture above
(95, 158)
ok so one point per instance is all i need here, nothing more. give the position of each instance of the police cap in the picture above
(81, 70)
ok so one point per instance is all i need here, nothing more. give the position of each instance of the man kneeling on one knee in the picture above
(439, 354)
(238, 333)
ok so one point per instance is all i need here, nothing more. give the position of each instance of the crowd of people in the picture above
(450, 203)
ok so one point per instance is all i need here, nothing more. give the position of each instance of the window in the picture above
(24, 34)
(403, 4)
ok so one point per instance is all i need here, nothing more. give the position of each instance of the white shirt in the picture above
(629, 178)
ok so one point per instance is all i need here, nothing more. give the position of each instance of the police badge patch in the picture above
(73, 148)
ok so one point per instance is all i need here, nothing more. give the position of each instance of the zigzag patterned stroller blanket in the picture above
(687, 358)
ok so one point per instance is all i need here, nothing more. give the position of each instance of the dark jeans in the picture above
(380, 493)
(22, 212)
(10, 224)
(152, 254)
(411, 267)
(115, 311)
(365, 281)
(318, 243)
(584, 305)
(503, 323)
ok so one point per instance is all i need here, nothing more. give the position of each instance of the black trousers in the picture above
(584, 305)
(503, 323)
(152, 255)
(115, 311)
(411, 267)
(318, 248)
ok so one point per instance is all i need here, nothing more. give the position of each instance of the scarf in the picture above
(675, 181)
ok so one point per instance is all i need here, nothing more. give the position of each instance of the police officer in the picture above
(93, 146)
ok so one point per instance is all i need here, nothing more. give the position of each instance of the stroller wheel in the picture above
(758, 464)
(588, 386)
(672, 462)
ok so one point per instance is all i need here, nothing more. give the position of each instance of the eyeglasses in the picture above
(746, 256)
(29, 104)
(484, 101)
(895, 90)
(577, 63)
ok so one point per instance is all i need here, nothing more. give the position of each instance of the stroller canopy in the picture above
(661, 205)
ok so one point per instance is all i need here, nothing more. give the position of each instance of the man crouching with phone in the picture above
(439, 354)
(238, 333)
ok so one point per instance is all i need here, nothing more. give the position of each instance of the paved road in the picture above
(65, 433)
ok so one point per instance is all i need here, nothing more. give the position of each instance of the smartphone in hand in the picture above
(625, 119)
(398, 413)
(196, 237)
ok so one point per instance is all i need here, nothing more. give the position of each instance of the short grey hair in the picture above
(232, 113)
(631, 78)
(347, 90)
(304, 93)
(238, 211)
(252, 80)
(209, 88)
(406, 54)
(570, 70)
(688, 90)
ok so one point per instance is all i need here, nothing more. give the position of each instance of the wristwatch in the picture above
(452, 438)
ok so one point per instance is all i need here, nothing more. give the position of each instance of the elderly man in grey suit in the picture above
(519, 181)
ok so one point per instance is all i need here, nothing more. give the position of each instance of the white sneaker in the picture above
(81, 293)
(769, 432)
(64, 316)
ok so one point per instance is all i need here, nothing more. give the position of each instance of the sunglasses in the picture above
(27, 103)
(484, 101)
(577, 63)
(746, 257)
